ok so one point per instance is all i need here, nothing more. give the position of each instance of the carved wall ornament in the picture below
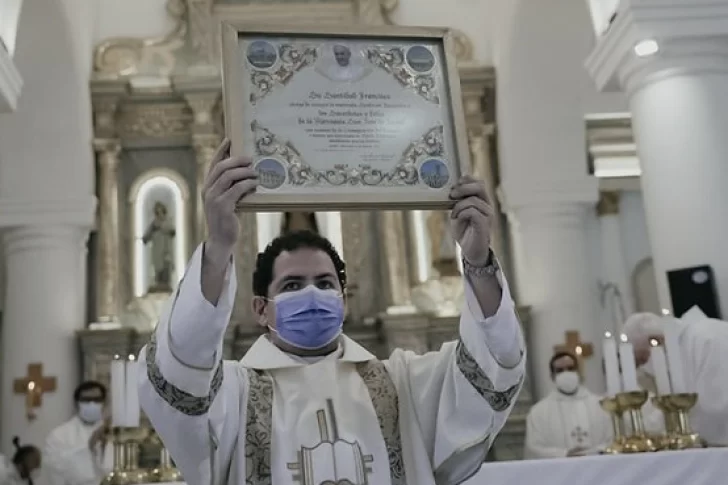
(160, 120)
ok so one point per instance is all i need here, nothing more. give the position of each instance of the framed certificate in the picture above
(347, 118)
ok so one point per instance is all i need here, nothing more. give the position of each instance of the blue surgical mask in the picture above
(90, 412)
(310, 318)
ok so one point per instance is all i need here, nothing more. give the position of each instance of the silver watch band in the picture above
(488, 270)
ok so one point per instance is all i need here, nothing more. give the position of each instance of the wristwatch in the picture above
(489, 269)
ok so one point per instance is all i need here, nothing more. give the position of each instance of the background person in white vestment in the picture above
(704, 353)
(76, 451)
(24, 468)
(307, 405)
(570, 420)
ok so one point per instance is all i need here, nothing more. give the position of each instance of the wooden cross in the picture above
(573, 344)
(33, 387)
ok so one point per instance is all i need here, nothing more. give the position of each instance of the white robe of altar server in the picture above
(559, 423)
(67, 459)
(450, 404)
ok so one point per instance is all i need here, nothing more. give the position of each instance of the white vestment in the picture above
(704, 345)
(9, 474)
(67, 459)
(276, 419)
(559, 423)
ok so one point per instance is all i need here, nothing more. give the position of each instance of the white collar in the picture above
(264, 355)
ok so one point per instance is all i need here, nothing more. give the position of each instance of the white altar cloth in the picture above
(688, 467)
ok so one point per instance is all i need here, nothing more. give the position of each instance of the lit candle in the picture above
(659, 363)
(118, 386)
(132, 393)
(629, 368)
(674, 356)
(611, 365)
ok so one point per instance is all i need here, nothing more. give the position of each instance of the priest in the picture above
(703, 344)
(306, 404)
(570, 420)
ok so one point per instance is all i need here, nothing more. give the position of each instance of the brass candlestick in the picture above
(166, 472)
(675, 408)
(610, 405)
(126, 458)
(637, 441)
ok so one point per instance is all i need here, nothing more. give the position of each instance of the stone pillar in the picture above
(674, 70)
(44, 308)
(394, 258)
(205, 141)
(616, 290)
(358, 255)
(557, 282)
(205, 147)
(107, 283)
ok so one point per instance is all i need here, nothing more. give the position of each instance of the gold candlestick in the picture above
(126, 458)
(166, 472)
(637, 441)
(676, 408)
(611, 406)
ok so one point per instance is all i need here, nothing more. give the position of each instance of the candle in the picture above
(674, 356)
(629, 368)
(132, 394)
(659, 364)
(118, 387)
(611, 365)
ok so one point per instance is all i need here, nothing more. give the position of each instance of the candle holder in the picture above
(675, 409)
(166, 472)
(611, 406)
(637, 441)
(126, 457)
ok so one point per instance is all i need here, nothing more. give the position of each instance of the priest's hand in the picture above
(471, 220)
(230, 179)
(577, 451)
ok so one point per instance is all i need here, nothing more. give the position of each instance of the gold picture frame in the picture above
(424, 99)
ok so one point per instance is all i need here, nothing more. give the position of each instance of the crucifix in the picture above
(33, 387)
(573, 344)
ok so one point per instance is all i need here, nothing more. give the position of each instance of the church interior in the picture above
(594, 124)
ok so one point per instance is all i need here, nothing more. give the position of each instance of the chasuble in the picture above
(346, 418)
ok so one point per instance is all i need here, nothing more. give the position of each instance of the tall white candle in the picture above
(659, 364)
(674, 356)
(611, 365)
(118, 387)
(629, 368)
(132, 394)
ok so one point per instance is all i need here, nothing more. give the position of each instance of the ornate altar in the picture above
(157, 121)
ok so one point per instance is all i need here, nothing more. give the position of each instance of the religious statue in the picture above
(160, 234)
(443, 251)
(299, 221)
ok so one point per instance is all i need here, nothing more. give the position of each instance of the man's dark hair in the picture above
(87, 386)
(263, 274)
(22, 452)
(558, 355)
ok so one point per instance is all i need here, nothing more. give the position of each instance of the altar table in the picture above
(687, 467)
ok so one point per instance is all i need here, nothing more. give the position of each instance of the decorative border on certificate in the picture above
(345, 118)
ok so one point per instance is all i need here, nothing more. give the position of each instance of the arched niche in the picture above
(645, 287)
(158, 246)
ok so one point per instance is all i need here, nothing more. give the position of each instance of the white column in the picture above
(557, 283)
(44, 307)
(616, 292)
(672, 62)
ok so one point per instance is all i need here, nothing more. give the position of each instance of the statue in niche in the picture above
(299, 221)
(160, 234)
(443, 252)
